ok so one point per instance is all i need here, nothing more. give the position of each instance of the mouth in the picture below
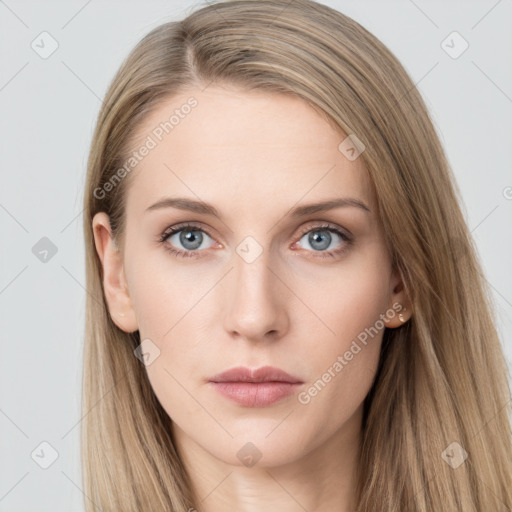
(255, 387)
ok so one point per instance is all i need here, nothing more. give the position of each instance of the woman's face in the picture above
(264, 283)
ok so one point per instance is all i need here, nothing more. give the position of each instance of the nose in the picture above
(256, 306)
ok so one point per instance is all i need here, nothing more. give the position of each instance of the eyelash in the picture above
(194, 254)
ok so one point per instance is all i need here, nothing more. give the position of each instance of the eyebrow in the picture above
(183, 203)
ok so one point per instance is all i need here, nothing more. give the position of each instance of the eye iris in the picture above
(187, 237)
(314, 238)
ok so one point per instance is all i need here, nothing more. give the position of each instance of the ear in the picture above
(114, 280)
(399, 302)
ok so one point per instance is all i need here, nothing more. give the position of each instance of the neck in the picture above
(321, 480)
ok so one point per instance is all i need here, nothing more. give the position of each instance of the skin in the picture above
(254, 156)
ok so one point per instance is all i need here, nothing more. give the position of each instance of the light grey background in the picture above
(48, 109)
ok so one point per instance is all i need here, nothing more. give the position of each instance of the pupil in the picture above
(315, 238)
(187, 237)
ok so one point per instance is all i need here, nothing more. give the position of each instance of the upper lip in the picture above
(263, 374)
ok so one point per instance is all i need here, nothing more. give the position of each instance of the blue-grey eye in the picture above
(320, 239)
(190, 239)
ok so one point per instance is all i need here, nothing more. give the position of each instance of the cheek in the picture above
(354, 296)
(168, 306)
(343, 371)
(167, 318)
(159, 293)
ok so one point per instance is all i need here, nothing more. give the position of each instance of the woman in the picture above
(285, 301)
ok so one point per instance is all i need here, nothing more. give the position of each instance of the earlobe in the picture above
(398, 315)
(114, 280)
(399, 307)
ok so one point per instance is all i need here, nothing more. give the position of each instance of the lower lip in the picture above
(255, 394)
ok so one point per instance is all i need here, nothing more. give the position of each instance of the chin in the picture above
(256, 450)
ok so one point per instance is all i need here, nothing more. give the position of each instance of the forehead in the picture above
(242, 150)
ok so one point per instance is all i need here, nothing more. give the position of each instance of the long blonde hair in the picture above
(441, 391)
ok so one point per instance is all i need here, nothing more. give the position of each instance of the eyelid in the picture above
(198, 226)
(319, 224)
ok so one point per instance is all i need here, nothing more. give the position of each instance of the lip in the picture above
(259, 387)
